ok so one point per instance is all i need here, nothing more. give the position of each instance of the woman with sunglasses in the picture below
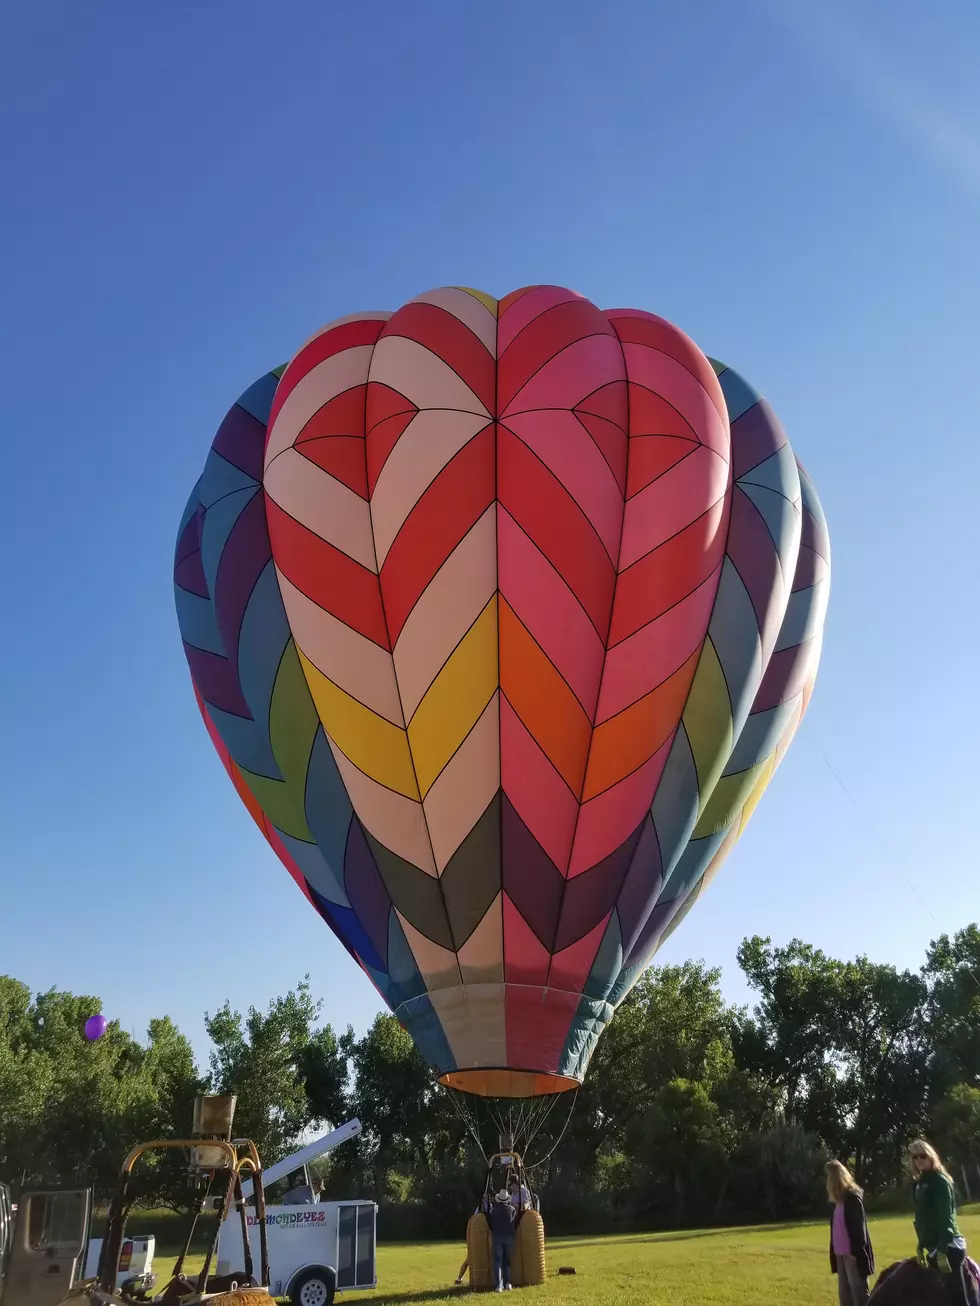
(935, 1215)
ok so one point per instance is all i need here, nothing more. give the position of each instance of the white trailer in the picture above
(315, 1250)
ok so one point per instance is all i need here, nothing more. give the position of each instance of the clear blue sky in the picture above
(191, 188)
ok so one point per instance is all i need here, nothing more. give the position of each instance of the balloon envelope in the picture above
(95, 1027)
(501, 615)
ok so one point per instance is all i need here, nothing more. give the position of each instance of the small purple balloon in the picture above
(95, 1027)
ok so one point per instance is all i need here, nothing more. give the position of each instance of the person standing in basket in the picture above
(502, 1217)
(851, 1255)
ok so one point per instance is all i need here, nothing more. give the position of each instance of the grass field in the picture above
(720, 1267)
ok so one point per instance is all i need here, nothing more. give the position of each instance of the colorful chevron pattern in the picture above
(501, 616)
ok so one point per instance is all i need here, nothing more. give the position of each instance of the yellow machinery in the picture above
(217, 1164)
(52, 1230)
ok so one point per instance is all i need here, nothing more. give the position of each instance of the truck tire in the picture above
(313, 1287)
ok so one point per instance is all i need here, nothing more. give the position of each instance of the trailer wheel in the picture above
(314, 1287)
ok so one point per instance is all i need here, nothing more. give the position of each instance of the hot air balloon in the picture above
(501, 615)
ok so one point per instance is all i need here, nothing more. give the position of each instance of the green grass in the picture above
(718, 1267)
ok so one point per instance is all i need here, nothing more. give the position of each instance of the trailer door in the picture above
(48, 1247)
(6, 1231)
(365, 1273)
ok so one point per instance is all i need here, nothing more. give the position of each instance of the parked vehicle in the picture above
(304, 1252)
(317, 1249)
(135, 1260)
(6, 1231)
(46, 1244)
(49, 1250)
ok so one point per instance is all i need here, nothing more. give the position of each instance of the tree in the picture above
(880, 1044)
(953, 970)
(674, 1025)
(844, 1045)
(322, 1066)
(956, 1130)
(411, 1130)
(788, 1039)
(71, 1108)
(779, 1173)
(270, 1062)
(96, 1094)
(692, 1111)
(662, 1106)
(24, 1084)
(681, 1147)
(170, 1067)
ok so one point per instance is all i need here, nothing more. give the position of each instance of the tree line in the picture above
(694, 1111)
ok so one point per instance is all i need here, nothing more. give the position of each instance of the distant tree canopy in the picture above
(693, 1111)
(69, 1109)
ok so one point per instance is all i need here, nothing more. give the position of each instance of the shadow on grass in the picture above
(676, 1235)
(627, 1240)
(626, 1237)
(431, 1294)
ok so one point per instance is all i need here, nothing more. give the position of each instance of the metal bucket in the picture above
(213, 1118)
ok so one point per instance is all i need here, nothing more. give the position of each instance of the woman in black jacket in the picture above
(851, 1256)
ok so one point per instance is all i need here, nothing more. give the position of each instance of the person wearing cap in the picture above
(503, 1214)
(304, 1194)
